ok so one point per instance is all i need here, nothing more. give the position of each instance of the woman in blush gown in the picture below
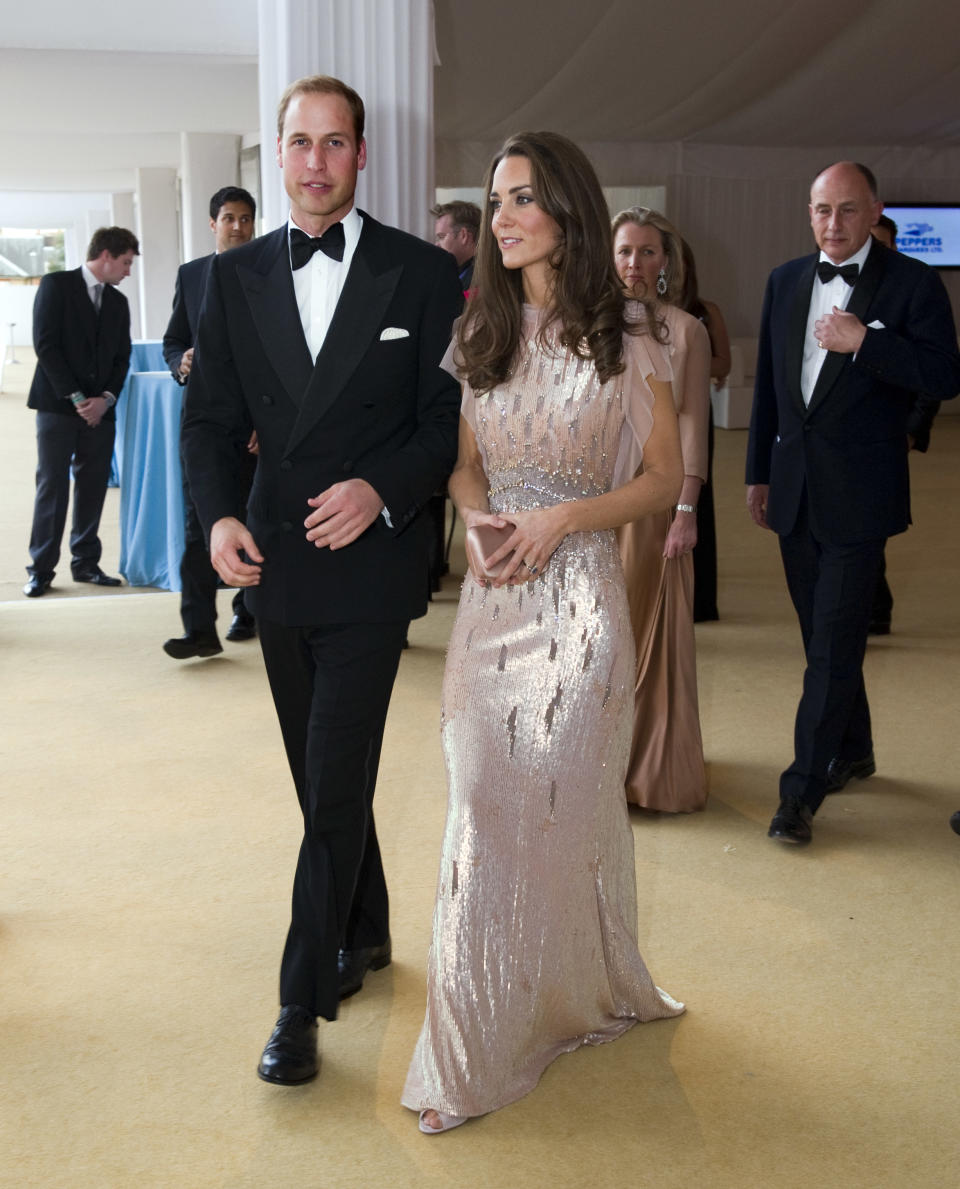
(534, 948)
(666, 770)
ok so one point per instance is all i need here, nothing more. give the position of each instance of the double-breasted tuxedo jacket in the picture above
(376, 406)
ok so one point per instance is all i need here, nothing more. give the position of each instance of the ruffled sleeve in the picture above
(645, 359)
(468, 401)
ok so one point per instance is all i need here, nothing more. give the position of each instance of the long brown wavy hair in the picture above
(586, 299)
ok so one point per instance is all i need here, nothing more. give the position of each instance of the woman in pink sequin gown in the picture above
(534, 947)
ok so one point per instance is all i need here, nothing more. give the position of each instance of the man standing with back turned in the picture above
(846, 337)
(327, 335)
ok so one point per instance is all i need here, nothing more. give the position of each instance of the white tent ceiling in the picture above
(89, 92)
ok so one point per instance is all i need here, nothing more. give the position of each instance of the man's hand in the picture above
(757, 496)
(186, 363)
(342, 513)
(227, 537)
(840, 332)
(92, 410)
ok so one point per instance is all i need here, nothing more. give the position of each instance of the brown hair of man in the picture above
(115, 240)
(322, 84)
(462, 214)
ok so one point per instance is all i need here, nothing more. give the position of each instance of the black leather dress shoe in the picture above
(352, 966)
(95, 575)
(182, 648)
(38, 585)
(791, 822)
(242, 627)
(839, 772)
(290, 1057)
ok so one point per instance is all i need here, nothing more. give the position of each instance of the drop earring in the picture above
(662, 282)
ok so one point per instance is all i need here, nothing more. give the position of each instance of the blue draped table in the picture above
(151, 486)
(146, 355)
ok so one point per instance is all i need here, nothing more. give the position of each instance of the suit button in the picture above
(807, 428)
(267, 400)
(286, 465)
(287, 526)
(348, 465)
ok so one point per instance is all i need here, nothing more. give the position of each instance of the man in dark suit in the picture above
(81, 333)
(232, 220)
(327, 335)
(456, 230)
(847, 336)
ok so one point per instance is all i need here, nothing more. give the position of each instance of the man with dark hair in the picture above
(457, 230)
(327, 334)
(847, 335)
(81, 332)
(233, 214)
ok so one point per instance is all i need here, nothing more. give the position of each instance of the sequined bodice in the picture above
(550, 432)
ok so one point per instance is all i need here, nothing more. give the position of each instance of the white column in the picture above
(208, 162)
(384, 49)
(159, 246)
(123, 213)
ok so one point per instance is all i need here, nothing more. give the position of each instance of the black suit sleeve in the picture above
(120, 363)
(178, 336)
(923, 409)
(50, 311)
(763, 416)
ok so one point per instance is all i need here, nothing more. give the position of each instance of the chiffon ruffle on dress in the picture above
(534, 948)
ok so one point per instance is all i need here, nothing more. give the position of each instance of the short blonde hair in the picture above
(322, 84)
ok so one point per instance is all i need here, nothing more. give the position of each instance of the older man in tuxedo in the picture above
(847, 336)
(81, 332)
(327, 335)
(233, 213)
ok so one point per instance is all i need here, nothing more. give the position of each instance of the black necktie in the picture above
(303, 246)
(826, 272)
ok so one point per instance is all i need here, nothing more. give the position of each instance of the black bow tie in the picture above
(303, 246)
(826, 272)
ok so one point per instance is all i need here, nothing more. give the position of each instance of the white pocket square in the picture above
(876, 325)
(394, 332)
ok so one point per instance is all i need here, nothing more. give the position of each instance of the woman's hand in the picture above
(682, 535)
(537, 533)
(472, 517)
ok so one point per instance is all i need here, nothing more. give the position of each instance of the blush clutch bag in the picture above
(483, 541)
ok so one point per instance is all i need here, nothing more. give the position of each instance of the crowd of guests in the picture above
(558, 370)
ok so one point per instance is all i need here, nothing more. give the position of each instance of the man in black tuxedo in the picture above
(846, 337)
(327, 335)
(232, 220)
(81, 333)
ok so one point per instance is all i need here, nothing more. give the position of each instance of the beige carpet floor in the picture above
(148, 832)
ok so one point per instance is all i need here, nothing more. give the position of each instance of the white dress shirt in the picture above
(91, 283)
(318, 285)
(822, 300)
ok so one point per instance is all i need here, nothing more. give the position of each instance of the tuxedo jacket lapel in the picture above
(858, 304)
(363, 302)
(268, 288)
(798, 332)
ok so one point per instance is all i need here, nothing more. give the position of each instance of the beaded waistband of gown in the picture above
(530, 487)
